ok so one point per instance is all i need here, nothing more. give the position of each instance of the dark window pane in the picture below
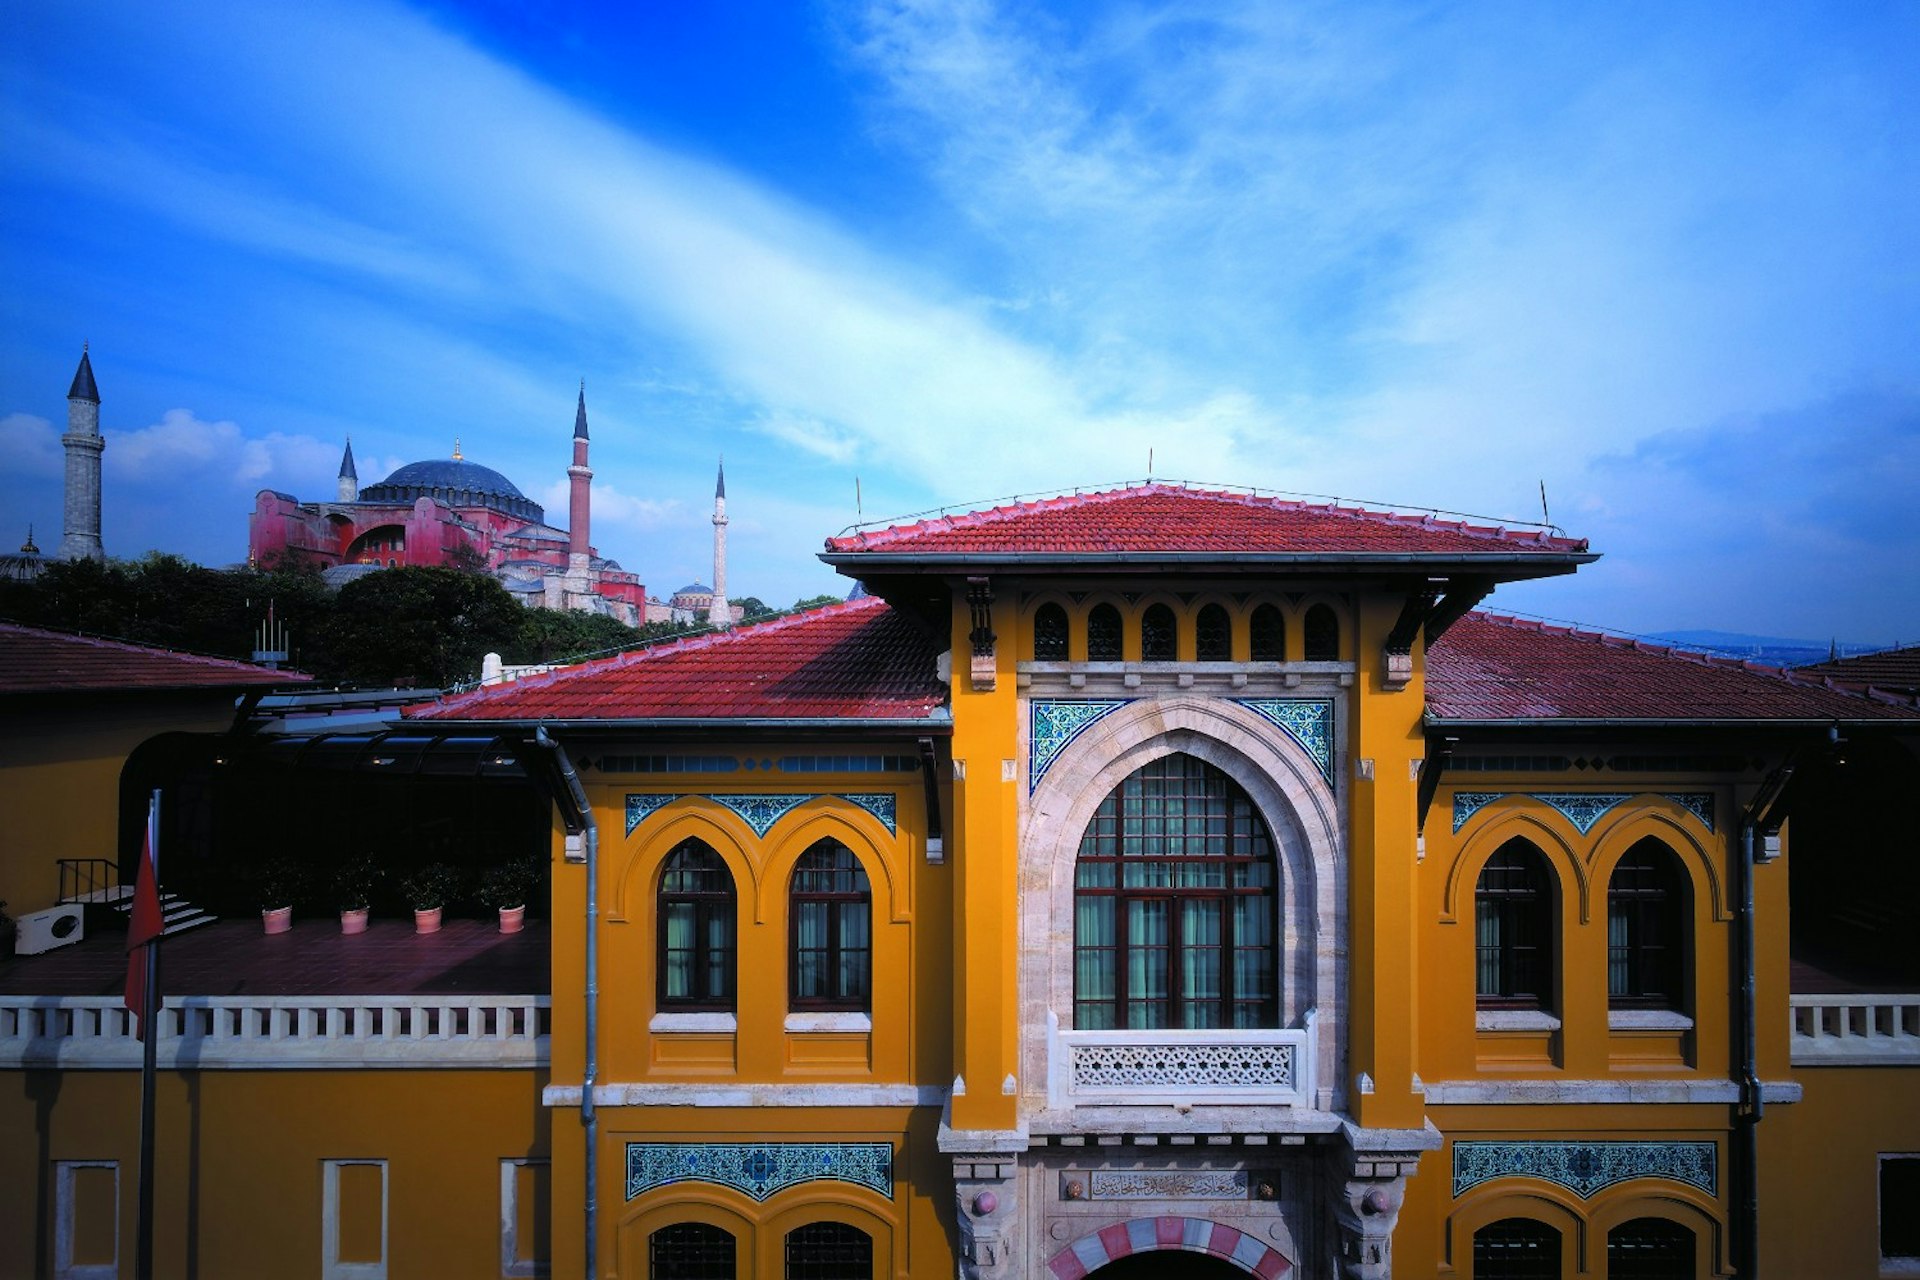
(1268, 629)
(1159, 635)
(1213, 635)
(696, 924)
(1323, 635)
(1514, 928)
(1516, 1249)
(829, 1251)
(1650, 1249)
(829, 919)
(1050, 633)
(1646, 928)
(1103, 634)
(1900, 1207)
(690, 1251)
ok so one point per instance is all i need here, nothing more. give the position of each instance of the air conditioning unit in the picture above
(55, 927)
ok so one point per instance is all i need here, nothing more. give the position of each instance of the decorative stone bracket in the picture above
(1371, 1174)
(983, 670)
(987, 1208)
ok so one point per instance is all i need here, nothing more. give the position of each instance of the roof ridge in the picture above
(113, 642)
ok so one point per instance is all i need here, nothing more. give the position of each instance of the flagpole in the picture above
(149, 1062)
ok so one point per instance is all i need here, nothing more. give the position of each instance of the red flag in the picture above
(144, 928)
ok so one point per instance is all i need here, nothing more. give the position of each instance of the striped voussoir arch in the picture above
(1148, 1235)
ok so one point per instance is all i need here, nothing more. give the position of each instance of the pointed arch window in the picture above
(697, 952)
(1322, 635)
(1646, 929)
(1050, 633)
(1513, 929)
(1175, 904)
(1268, 632)
(1213, 635)
(1159, 634)
(691, 1251)
(830, 929)
(1103, 634)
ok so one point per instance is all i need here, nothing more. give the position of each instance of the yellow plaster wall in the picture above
(1819, 1169)
(238, 1157)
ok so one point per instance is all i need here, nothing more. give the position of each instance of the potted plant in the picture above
(278, 882)
(352, 891)
(506, 888)
(429, 889)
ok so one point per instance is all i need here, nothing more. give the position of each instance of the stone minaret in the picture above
(349, 478)
(84, 447)
(721, 614)
(579, 499)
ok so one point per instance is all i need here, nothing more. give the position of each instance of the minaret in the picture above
(84, 447)
(349, 478)
(721, 614)
(579, 500)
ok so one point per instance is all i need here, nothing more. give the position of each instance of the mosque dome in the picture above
(458, 483)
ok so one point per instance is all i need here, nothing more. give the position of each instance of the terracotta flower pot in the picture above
(354, 920)
(427, 921)
(278, 920)
(513, 919)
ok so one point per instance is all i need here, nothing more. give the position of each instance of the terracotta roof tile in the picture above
(1897, 670)
(33, 660)
(857, 660)
(1168, 518)
(1488, 667)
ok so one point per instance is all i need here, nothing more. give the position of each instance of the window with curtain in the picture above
(1646, 929)
(1213, 635)
(1103, 634)
(1322, 631)
(1650, 1249)
(829, 1251)
(1268, 631)
(1050, 633)
(1513, 929)
(1159, 634)
(1174, 905)
(691, 1251)
(830, 927)
(1516, 1249)
(696, 931)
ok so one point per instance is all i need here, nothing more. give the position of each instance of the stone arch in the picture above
(1617, 834)
(1472, 854)
(637, 879)
(1286, 787)
(853, 827)
(1169, 1235)
(1511, 1198)
(1683, 1205)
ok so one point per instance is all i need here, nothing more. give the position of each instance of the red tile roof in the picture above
(1488, 667)
(1894, 669)
(858, 660)
(36, 661)
(1162, 518)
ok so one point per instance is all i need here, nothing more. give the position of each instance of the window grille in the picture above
(829, 1251)
(1268, 632)
(1159, 635)
(1213, 635)
(1516, 1249)
(690, 1251)
(1322, 635)
(1650, 1249)
(1103, 634)
(1050, 634)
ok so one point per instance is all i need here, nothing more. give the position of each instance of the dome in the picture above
(456, 482)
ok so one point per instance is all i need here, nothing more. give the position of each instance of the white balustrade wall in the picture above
(266, 1032)
(1856, 1030)
(1133, 1068)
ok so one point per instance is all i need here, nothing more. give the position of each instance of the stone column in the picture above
(84, 447)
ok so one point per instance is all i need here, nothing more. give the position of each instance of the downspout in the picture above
(589, 1114)
(1746, 1132)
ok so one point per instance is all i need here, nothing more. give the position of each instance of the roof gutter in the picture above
(1027, 559)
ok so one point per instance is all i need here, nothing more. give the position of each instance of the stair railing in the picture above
(82, 878)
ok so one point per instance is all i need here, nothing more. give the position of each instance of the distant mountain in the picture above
(1775, 651)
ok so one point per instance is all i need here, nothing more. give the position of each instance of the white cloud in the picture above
(29, 446)
(183, 447)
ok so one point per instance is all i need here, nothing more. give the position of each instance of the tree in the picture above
(754, 607)
(815, 602)
(427, 626)
(549, 635)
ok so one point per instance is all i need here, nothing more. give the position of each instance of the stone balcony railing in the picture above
(1856, 1030)
(1180, 1068)
(267, 1032)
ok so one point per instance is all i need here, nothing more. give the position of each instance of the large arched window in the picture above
(1650, 1249)
(829, 1251)
(1647, 929)
(691, 1251)
(1174, 904)
(1513, 929)
(1322, 630)
(696, 931)
(1159, 634)
(1103, 634)
(1213, 635)
(1050, 633)
(1267, 630)
(831, 930)
(1516, 1249)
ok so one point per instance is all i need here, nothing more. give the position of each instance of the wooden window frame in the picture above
(1651, 911)
(708, 905)
(1523, 910)
(838, 904)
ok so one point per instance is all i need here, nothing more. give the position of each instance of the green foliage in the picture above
(814, 602)
(419, 626)
(754, 607)
(278, 881)
(509, 884)
(433, 885)
(353, 882)
(551, 635)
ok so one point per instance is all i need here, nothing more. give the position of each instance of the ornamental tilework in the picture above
(1581, 808)
(1056, 722)
(1585, 1167)
(759, 1169)
(759, 811)
(1697, 803)
(1308, 721)
(1468, 803)
(642, 804)
(879, 803)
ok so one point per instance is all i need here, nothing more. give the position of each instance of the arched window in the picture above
(830, 929)
(1646, 929)
(1513, 929)
(1268, 629)
(1516, 1249)
(1050, 633)
(1103, 634)
(1650, 1249)
(1322, 634)
(1159, 635)
(829, 1251)
(696, 931)
(691, 1251)
(1174, 905)
(1213, 635)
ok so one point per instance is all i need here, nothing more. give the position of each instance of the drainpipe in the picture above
(1746, 1133)
(589, 1115)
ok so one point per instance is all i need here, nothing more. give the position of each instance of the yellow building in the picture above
(1167, 872)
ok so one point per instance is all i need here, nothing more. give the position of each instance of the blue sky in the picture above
(1660, 256)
